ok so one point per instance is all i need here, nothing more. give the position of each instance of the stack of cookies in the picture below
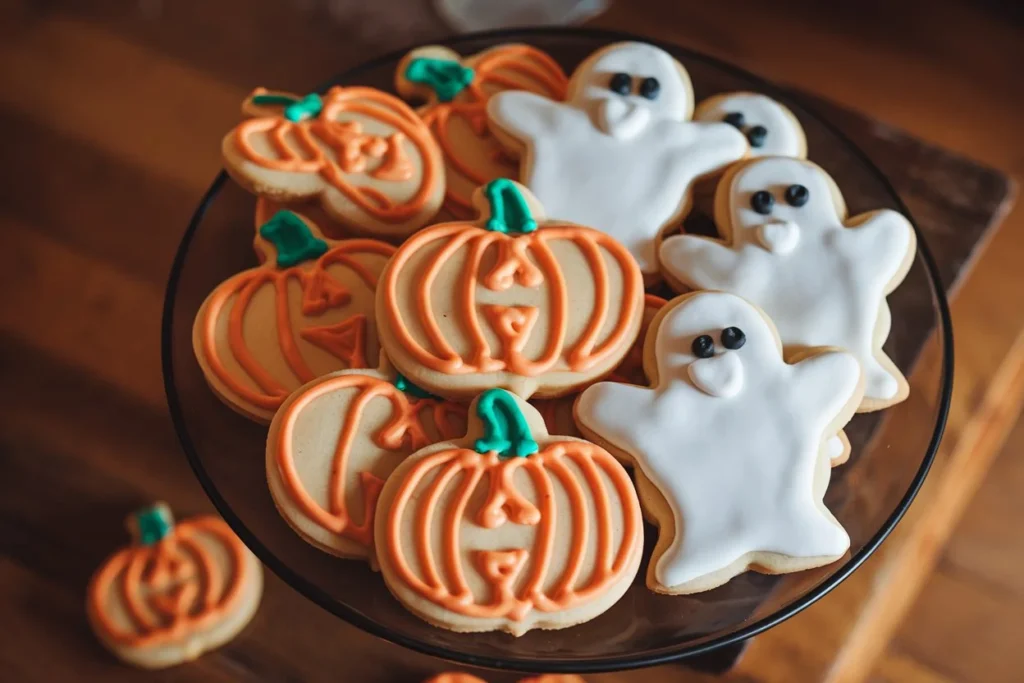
(456, 336)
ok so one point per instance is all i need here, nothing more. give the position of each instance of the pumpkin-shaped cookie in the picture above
(457, 90)
(336, 440)
(178, 591)
(365, 154)
(511, 301)
(557, 412)
(305, 312)
(508, 529)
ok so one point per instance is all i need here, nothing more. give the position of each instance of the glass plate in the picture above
(868, 495)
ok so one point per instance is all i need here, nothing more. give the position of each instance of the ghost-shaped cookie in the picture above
(769, 126)
(620, 154)
(728, 443)
(789, 248)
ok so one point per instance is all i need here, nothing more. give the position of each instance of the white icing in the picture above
(720, 376)
(829, 290)
(739, 473)
(834, 447)
(780, 237)
(785, 135)
(620, 164)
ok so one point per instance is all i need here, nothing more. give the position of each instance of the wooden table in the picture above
(110, 113)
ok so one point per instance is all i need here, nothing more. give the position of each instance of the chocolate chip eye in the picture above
(703, 346)
(797, 195)
(733, 338)
(649, 88)
(762, 201)
(757, 135)
(734, 119)
(621, 83)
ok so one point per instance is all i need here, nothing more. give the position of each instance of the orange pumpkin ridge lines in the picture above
(585, 345)
(285, 334)
(332, 133)
(501, 568)
(128, 568)
(236, 340)
(406, 423)
(426, 308)
(480, 350)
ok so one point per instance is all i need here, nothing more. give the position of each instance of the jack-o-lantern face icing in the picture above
(508, 529)
(557, 412)
(364, 153)
(306, 311)
(511, 301)
(178, 591)
(334, 442)
(457, 90)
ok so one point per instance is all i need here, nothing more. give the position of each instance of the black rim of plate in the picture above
(594, 665)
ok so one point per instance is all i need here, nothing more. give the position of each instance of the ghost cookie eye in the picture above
(757, 136)
(649, 88)
(620, 84)
(733, 338)
(703, 346)
(735, 119)
(762, 202)
(797, 195)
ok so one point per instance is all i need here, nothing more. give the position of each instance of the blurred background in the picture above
(112, 112)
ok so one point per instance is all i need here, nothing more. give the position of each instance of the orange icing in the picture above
(463, 469)
(301, 147)
(404, 433)
(511, 323)
(320, 292)
(172, 588)
(455, 677)
(471, 105)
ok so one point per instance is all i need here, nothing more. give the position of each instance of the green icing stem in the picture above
(153, 523)
(505, 428)
(403, 384)
(509, 210)
(447, 78)
(292, 239)
(295, 109)
(273, 100)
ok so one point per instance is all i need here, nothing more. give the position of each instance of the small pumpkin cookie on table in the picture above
(363, 154)
(334, 442)
(306, 311)
(508, 529)
(510, 300)
(178, 591)
(456, 90)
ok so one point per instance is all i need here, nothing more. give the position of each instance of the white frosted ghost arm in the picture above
(699, 262)
(826, 382)
(882, 241)
(715, 146)
(525, 115)
(613, 411)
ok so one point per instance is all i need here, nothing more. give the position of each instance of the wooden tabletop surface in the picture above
(112, 116)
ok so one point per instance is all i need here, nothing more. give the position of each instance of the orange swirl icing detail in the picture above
(320, 293)
(512, 324)
(542, 75)
(301, 147)
(405, 433)
(504, 503)
(172, 588)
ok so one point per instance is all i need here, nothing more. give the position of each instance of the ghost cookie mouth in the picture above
(719, 376)
(622, 119)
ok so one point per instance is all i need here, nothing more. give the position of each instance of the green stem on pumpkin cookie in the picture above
(505, 429)
(152, 523)
(292, 239)
(509, 210)
(403, 384)
(447, 78)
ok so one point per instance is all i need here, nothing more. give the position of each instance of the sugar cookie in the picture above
(457, 89)
(363, 153)
(511, 300)
(789, 248)
(306, 311)
(728, 443)
(621, 154)
(334, 442)
(508, 529)
(769, 126)
(178, 591)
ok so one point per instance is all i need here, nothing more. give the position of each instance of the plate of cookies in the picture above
(554, 350)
